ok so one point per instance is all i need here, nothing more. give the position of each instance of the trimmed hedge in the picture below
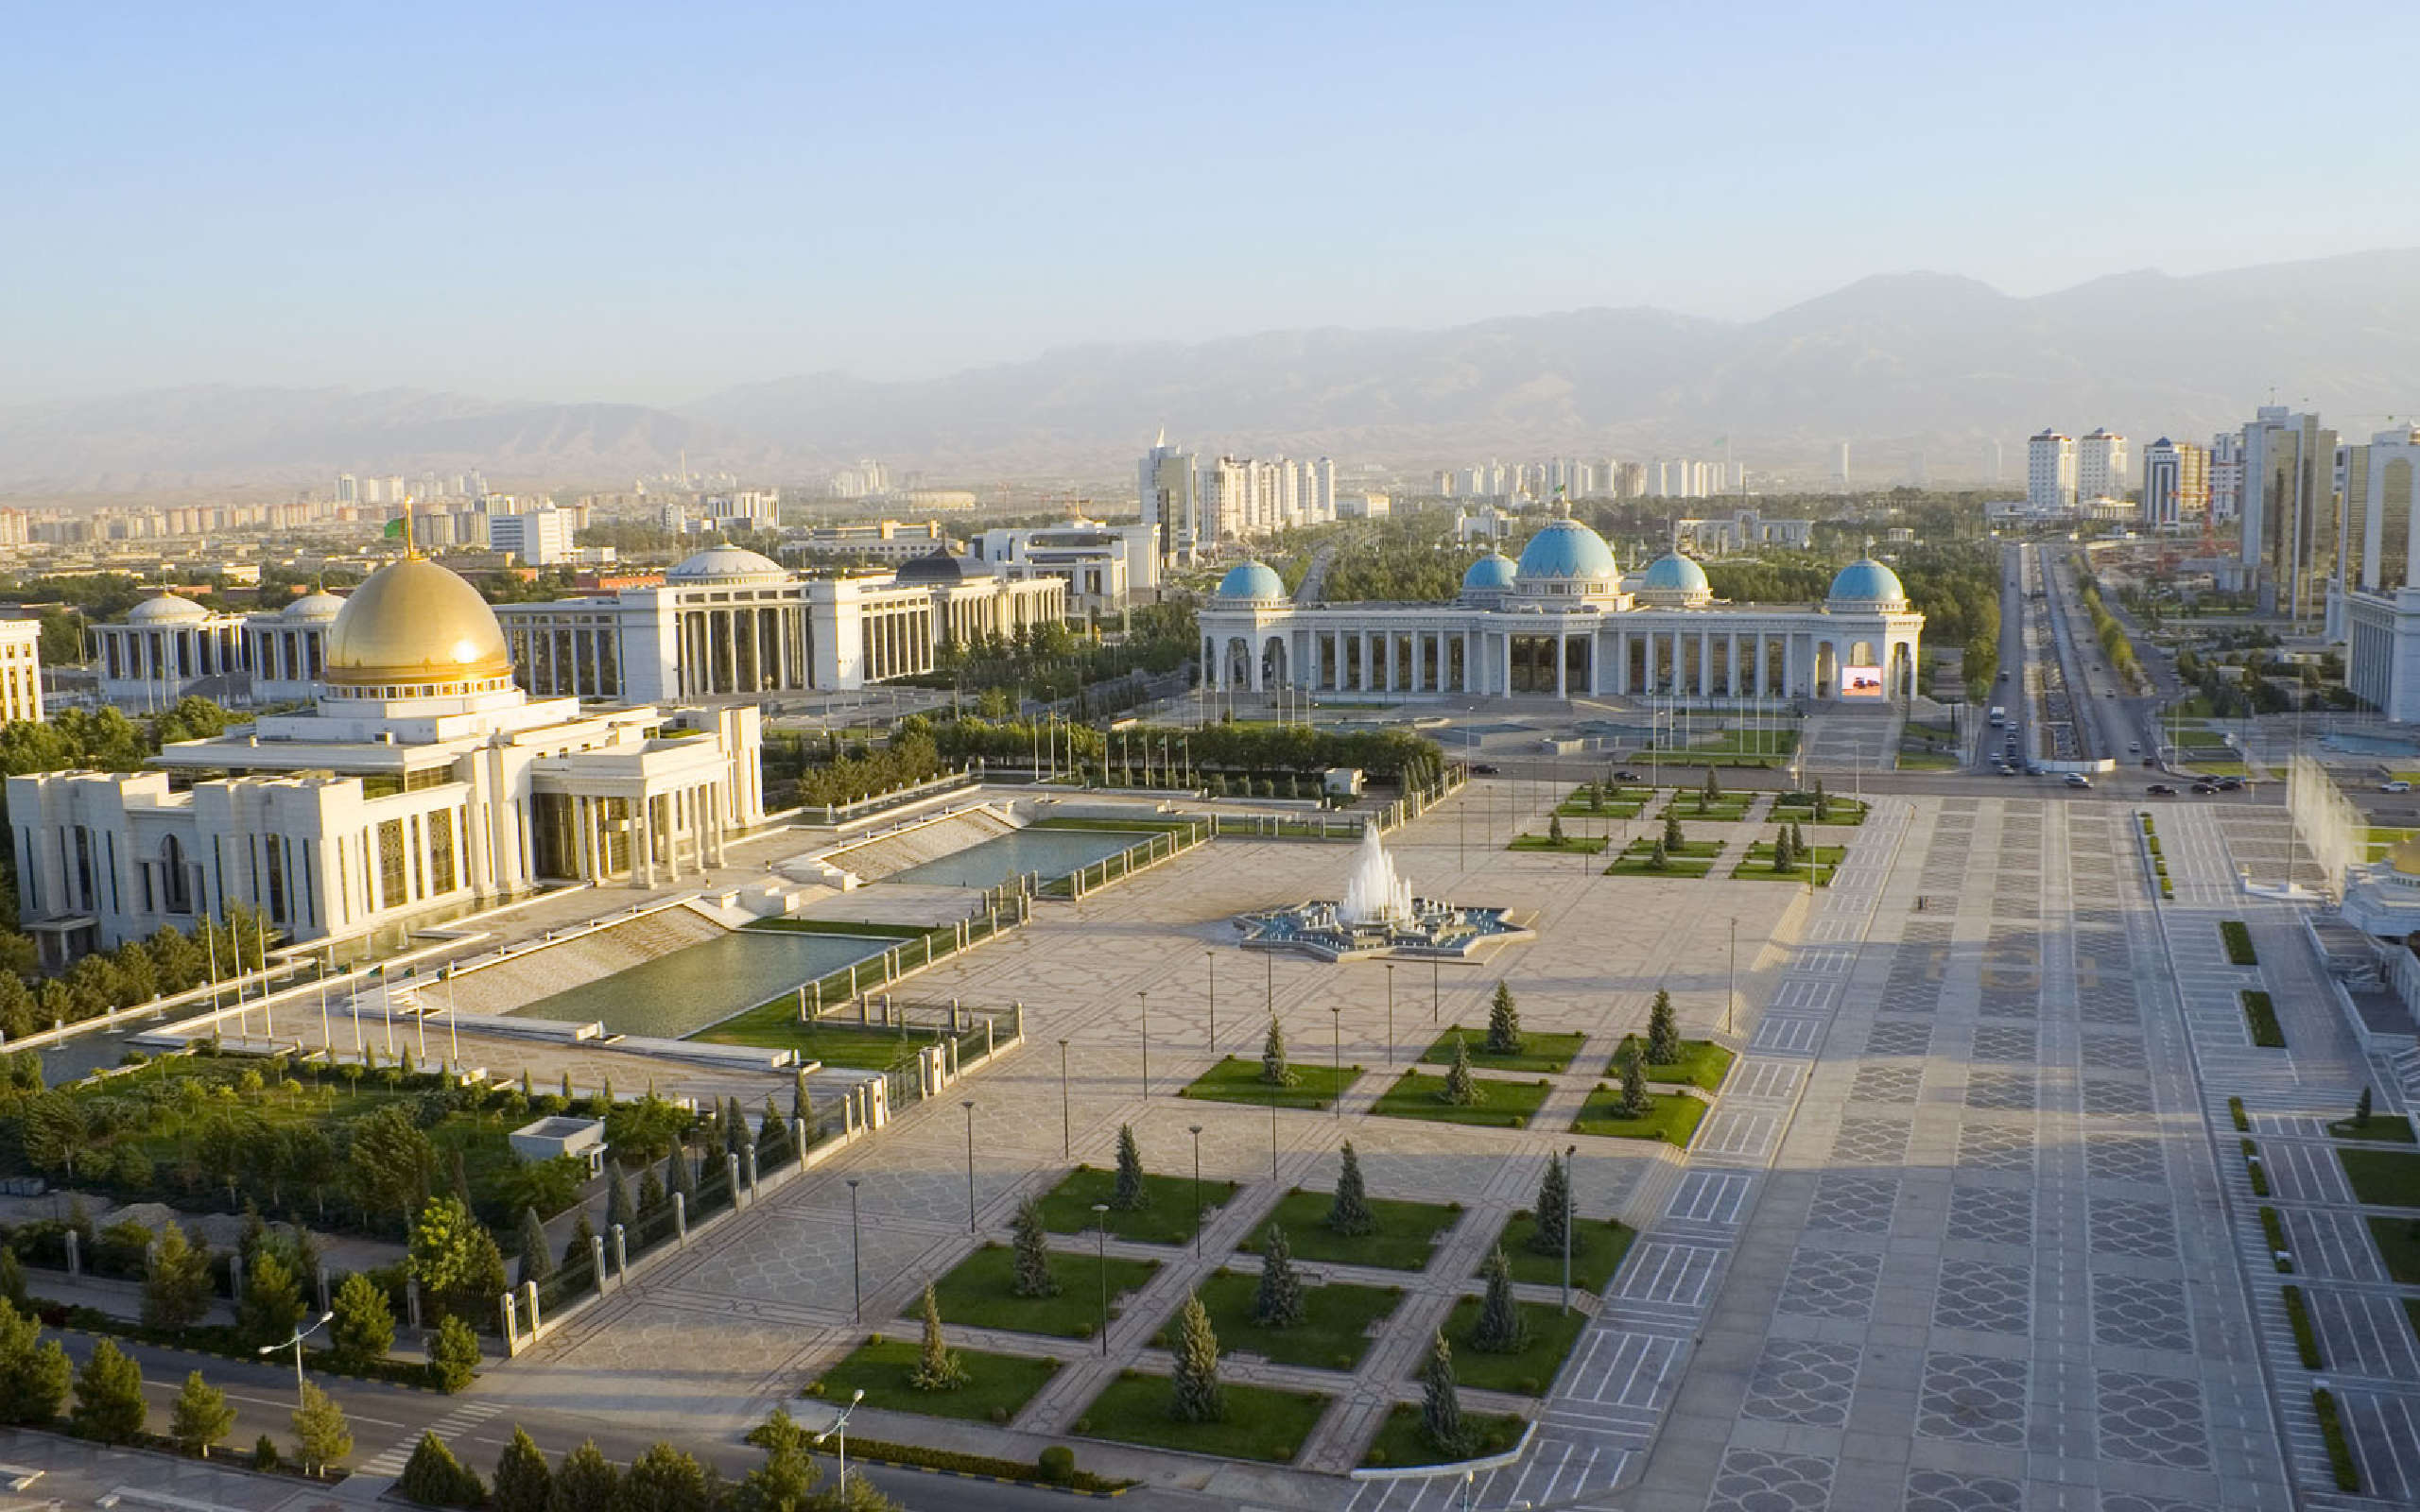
(227, 1342)
(2242, 1119)
(2273, 1228)
(1057, 1471)
(2340, 1452)
(2260, 1014)
(2306, 1335)
(2253, 1166)
(2237, 936)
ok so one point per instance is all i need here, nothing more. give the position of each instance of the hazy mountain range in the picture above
(1899, 365)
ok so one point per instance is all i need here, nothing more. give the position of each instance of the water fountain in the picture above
(1379, 915)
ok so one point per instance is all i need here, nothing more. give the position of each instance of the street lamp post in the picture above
(1145, 999)
(841, 1427)
(856, 1270)
(1100, 1253)
(1067, 1114)
(1570, 1215)
(1335, 1028)
(969, 1106)
(1210, 960)
(296, 1345)
(1731, 991)
(1390, 1013)
(1436, 993)
(1197, 1224)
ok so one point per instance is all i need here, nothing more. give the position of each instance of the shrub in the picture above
(2340, 1453)
(1056, 1465)
(2238, 937)
(2261, 1015)
(2235, 1111)
(2306, 1337)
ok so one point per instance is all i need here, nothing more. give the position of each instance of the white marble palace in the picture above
(1564, 623)
(423, 783)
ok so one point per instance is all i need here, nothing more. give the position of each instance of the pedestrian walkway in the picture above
(390, 1460)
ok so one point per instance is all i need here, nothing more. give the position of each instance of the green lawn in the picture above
(1757, 865)
(1593, 845)
(1547, 1053)
(2398, 1242)
(1671, 1116)
(1509, 1105)
(1407, 1232)
(839, 926)
(1799, 809)
(1927, 761)
(1237, 1080)
(1167, 1216)
(2411, 1311)
(1401, 1442)
(1552, 1332)
(1727, 808)
(2384, 1128)
(1693, 849)
(1625, 804)
(2260, 1020)
(1640, 866)
(979, 1293)
(868, 1049)
(1333, 1335)
(1703, 1063)
(2384, 1178)
(1000, 1382)
(1597, 1251)
(1262, 1423)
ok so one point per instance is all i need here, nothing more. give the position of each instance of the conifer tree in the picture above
(1278, 1304)
(1635, 1101)
(201, 1416)
(2361, 1110)
(1554, 831)
(1673, 838)
(537, 1261)
(1350, 1214)
(1461, 1089)
(1500, 1329)
(109, 1408)
(1030, 1257)
(620, 1211)
(33, 1371)
(1199, 1397)
(1441, 1403)
(585, 1479)
(580, 1252)
(1553, 1221)
(321, 1436)
(1129, 1195)
(363, 1329)
(524, 1482)
(1712, 790)
(176, 1282)
(1503, 1023)
(937, 1369)
(1663, 1031)
(1274, 1071)
(434, 1477)
(1659, 859)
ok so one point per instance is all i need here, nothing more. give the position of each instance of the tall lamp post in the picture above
(1436, 992)
(969, 1106)
(1336, 1030)
(1570, 1215)
(856, 1270)
(296, 1345)
(1101, 1252)
(1731, 991)
(1197, 1224)
(840, 1426)
(1067, 1114)
(1210, 961)
(1390, 1013)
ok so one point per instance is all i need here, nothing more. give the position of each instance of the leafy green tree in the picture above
(1278, 1303)
(664, 1479)
(1030, 1257)
(1441, 1403)
(524, 1483)
(1663, 1031)
(1199, 1397)
(1129, 1195)
(12, 1278)
(1500, 1329)
(272, 1303)
(389, 1163)
(434, 1477)
(1461, 1089)
(33, 1371)
(584, 1481)
(322, 1437)
(109, 1397)
(455, 1258)
(363, 1329)
(937, 1369)
(1503, 1023)
(1274, 1071)
(454, 1354)
(787, 1481)
(1553, 1222)
(51, 1131)
(201, 1416)
(176, 1282)
(1350, 1214)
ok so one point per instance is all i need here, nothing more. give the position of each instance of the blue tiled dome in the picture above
(1491, 574)
(1567, 549)
(1867, 582)
(1252, 580)
(1675, 573)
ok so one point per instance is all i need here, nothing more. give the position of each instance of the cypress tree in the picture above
(1441, 1402)
(1199, 1397)
(1500, 1329)
(1503, 1023)
(524, 1482)
(937, 1369)
(1659, 859)
(1461, 1089)
(434, 1477)
(1030, 1253)
(1350, 1214)
(1274, 1071)
(1278, 1304)
(2361, 1110)
(1635, 1102)
(579, 1253)
(1554, 831)
(109, 1408)
(585, 1479)
(683, 1173)
(1129, 1195)
(620, 1211)
(1712, 790)
(1673, 838)
(1553, 1220)
(802, 1105)
(537, 1264)
(1663, 1031)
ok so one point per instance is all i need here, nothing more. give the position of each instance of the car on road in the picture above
(1626, 777)
(2205, 789)
(2398, 785)
(2003, 675)
(2135, 747)
(2160, 790)
(2078, 779)
(1484, 769)
(2230, 784)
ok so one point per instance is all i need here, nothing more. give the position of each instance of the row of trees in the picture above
(662, 1479)
(1957, 587)
(171, 960)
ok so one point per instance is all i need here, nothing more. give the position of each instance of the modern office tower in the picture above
(2102, 468)
(2176, 484)
(2290, 532)
(20, 671)
(348, 489)
(541, 538)
(2226, 476)
(2050, 471)
(2375, 483)
(1168, 488)
(1841, 466)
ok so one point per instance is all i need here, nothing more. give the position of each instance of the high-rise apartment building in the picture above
(2375, 483)
(541, 538)
(2291, 540)
(2226, 476)
(2102, 468)
(2176, 484)
(2050, 471)
(1168, 488)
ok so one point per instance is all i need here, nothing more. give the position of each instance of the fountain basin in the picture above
(1429, 930)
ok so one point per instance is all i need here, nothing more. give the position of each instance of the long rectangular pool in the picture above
(1050, 852)
(682, 992)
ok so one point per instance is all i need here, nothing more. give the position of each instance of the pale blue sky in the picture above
(652, 202)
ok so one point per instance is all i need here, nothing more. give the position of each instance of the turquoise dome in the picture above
(1674, 573)
(1491, 574)
(1565, 549)
(1252, 580)
(1866, 580)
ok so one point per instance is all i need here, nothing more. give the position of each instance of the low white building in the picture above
(1105, 567)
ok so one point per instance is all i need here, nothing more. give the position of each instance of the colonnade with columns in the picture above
(745, 648)
(167, 653)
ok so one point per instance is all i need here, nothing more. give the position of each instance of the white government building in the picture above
(20, 670)
(422, 783)
(1563, 621)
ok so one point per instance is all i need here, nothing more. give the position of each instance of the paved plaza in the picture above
(1966, 1228)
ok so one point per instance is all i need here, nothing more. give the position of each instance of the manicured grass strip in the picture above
(981, 1292)
(1407, 1232)
(1799, 808)
(1401, 1441)
(1674, 870)
(1593, 845)
(1703, 1063)
(866, 1048)
(1546, 1053)
(2382, 1128)
(1671, 1117)
(998, 1383)
(2340, 1453)
(1115, 826)
(2253, 1166)
(1333, 1335)
(2306, 1335)
(839, 926)
(1168, 1217)
(1728, 809)
(2384, 1178)
(1701, 848)
(2274, 1229)
(979, 1466)
(1552, 1332)
(2260, 1015)
(1417, 1094)
(1262, 1423)
(1596, 1251)
(1237, 1080)
(2238, 937)
(2398, 1247)
(2235, 1111)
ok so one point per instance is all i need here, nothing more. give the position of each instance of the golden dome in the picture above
(2404, 856)
(413, 623)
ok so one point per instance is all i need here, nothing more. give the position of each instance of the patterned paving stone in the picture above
(2004, 1041)
(1852, 1204)
(1870, 1141)
(2106, 1005)
(1830, 1283)
(2152, 1418)
(2120, 1227)
(1985, 1296)
(2004, 1000)
(1886, 1084)
(1803, 1381)
(2006, 1090)
(2114, 1052)
(1991, 1215)
(2124, 1158)
(1994, 1146)
(2116, 1097)
(2129, 1501)
(1890, 1038)
(2140, 1311)
(1751, 1480)
(1942, 1491)
(1972, 1397)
